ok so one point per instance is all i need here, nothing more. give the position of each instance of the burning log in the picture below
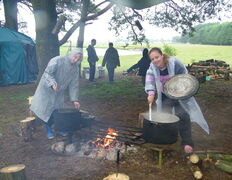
(13, 172)
(27, 126)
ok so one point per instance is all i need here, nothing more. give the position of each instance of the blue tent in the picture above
(18, 64)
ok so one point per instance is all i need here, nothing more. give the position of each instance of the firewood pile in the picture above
(210, 70)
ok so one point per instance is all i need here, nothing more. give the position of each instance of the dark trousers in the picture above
(50, 121)
(185, 129)
(143, 78)
(111, 73)
(92, 67)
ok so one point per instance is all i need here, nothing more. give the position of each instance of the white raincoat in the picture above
(66, 75)
(189, 105)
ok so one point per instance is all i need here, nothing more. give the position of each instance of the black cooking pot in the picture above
(161, 129)
(67, 120)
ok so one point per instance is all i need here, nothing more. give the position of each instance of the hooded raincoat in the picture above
(59, 71)
(189, 105)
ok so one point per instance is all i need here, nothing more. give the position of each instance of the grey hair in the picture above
(74, 52)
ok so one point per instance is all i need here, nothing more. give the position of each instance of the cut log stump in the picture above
(140, 120)
(27, 127)
(13, 172)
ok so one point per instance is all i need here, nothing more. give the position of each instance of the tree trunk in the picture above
(47, 44)
(84, 14)
(10, 8)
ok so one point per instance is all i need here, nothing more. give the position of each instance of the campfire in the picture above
(108, 141)
(105, 146)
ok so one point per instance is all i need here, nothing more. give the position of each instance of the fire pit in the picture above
(103, 145)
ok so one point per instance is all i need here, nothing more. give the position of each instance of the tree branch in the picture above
(132, 28)
(139, 15)
(59, 24)
(77, 24)
(100, 12)
(95, 7)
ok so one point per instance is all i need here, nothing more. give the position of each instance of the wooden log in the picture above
(193, 162)
(225, 166)
(140, 120)
(117, 176)
(216, 156)
(193, 158)
(13, 172)
(27, 127)
(197, 174)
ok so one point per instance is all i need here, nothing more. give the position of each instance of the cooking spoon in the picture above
(150, 111)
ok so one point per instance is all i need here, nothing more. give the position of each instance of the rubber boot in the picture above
(63, 133)
(50, 134)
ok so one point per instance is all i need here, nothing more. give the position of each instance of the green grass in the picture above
(103, 90)
(187, 53)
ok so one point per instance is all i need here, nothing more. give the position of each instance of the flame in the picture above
(108, 140)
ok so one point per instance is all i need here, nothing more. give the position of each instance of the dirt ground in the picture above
(214, 97)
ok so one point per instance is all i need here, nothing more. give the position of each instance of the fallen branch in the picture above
(225, 166)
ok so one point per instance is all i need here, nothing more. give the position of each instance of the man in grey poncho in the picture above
(61, 73)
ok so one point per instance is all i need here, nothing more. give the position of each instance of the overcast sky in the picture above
(98, 30)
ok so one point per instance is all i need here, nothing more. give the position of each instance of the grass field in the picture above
(187, 53)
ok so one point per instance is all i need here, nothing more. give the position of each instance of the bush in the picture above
(169, 50)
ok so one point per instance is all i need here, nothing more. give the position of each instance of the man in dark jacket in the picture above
(92, 59)
(143, 64)
(111, 60)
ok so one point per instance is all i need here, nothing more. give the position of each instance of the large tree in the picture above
(181, 15)
(50, 17)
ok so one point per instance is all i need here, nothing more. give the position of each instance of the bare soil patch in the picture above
(215, 99)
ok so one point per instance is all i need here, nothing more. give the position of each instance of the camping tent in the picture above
(18, 64)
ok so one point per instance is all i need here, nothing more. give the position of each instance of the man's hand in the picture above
(150, 98)
(76, 105)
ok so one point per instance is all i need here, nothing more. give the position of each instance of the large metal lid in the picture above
(181, 86)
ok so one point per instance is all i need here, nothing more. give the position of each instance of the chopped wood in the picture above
(117, 176)
(197, 174)
(13, 172)
(194, 158)
(27, 126)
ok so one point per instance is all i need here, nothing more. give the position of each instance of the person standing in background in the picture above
(92, 59)
(143, 64)
(111, 60)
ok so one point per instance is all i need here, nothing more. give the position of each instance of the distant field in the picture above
(187, 53)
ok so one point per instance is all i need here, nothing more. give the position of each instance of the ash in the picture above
(88, 149)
